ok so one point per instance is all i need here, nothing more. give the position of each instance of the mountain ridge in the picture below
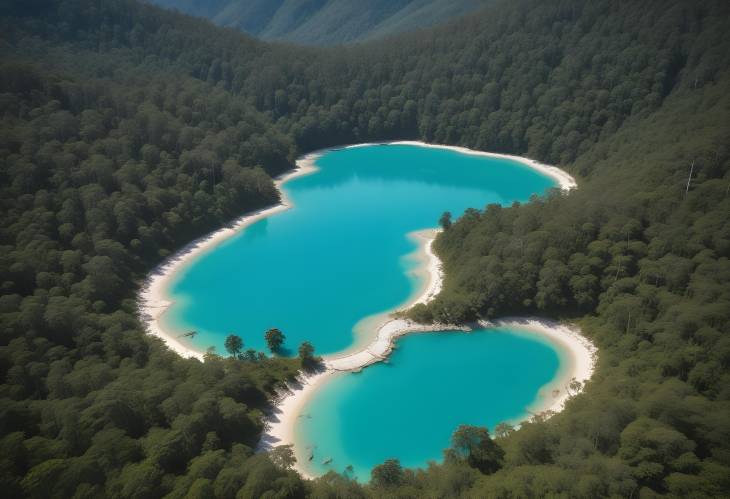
(324, 22)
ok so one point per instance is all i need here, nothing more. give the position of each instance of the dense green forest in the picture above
(324, 22)
(128, 130)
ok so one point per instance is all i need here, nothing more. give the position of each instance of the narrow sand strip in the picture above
(153, 299)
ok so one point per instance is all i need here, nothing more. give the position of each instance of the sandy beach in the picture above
(382, 330)
(287, 408)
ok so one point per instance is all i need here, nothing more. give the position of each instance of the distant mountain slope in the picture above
(324, 22)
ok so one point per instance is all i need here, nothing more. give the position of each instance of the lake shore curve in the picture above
(154, 300)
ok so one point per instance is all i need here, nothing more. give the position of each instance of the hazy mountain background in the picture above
(324, 22)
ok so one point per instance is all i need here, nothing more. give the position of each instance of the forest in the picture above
(128, 131)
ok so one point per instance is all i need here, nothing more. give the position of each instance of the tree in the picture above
(421, 313)
(274, 339)
(200, 489)
(388, 474)
(42, 478)
(283, 456)
(552, 288)
(210, 354)
(306, 355)
(503, 430)
(102, 281)
(575, 385)
(234, 345)
(445, 220)
(473, 445)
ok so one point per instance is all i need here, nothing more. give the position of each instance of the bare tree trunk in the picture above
(689, 180)
(618, 270)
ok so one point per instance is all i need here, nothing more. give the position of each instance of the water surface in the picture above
(340, 254)
(407, 407)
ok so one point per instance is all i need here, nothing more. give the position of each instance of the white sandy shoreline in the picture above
(153, 301)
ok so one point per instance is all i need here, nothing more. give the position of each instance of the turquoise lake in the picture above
(341, 253)
(408, 407)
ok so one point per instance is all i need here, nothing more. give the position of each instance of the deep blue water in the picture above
(340, 254)
(408, 407)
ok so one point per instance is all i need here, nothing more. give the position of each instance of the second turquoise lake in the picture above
(407, 407)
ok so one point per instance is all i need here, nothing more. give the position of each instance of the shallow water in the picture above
(408, 407)
(341, 254)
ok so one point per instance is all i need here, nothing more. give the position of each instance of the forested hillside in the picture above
(328, 22)
(108, 165)
(128, 130)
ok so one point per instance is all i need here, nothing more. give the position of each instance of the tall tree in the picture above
(445, 220)
(274, 339)
(474, 446)
(388, 474)
(306, 355)
(234, 345)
